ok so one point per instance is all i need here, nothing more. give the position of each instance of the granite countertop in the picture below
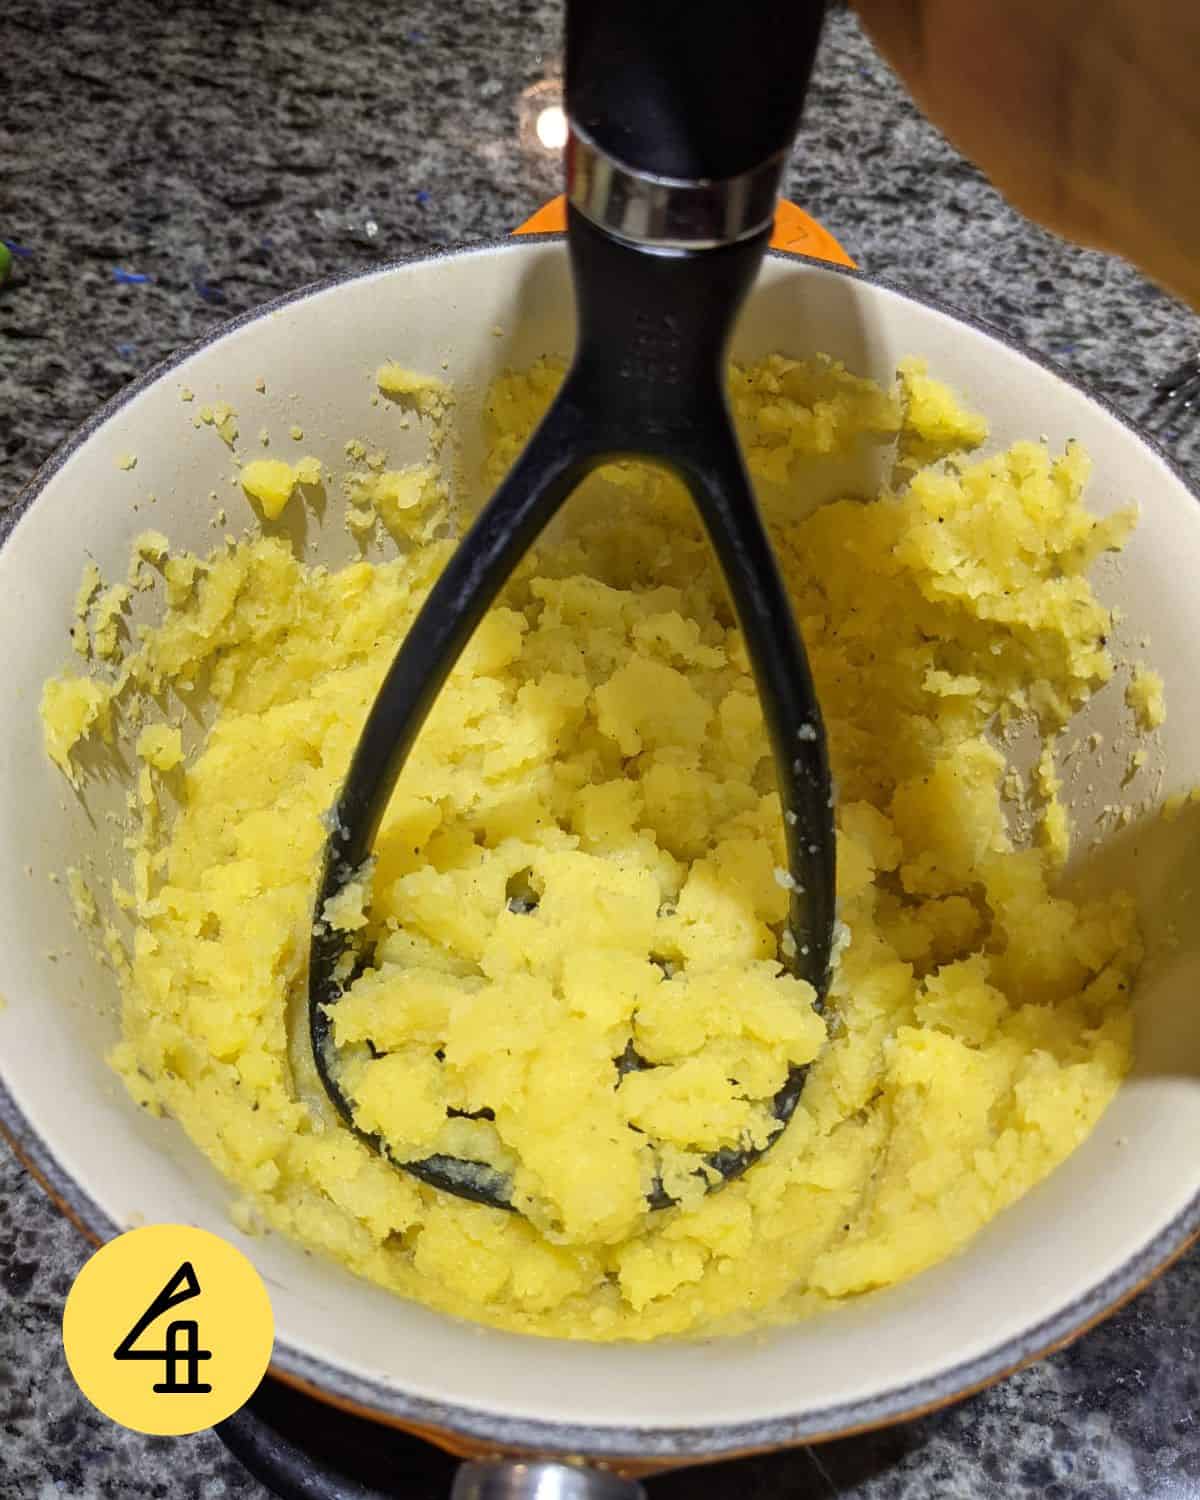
(229, 152)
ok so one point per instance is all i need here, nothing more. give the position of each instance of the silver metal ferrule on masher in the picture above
(669, 213)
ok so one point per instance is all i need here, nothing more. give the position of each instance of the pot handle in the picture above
(260, 1442)
(795, 231)
(540, 1479)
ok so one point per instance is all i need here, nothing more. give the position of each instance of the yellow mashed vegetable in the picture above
(584, 855)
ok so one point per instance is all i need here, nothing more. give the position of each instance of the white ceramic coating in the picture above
(1120, 1206)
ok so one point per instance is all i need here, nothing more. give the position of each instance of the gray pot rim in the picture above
(385, 1403)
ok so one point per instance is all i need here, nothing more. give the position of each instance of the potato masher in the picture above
(681, 117)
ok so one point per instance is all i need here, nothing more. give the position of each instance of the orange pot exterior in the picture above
(795, 231)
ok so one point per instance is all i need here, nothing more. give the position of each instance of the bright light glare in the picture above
(551, 127)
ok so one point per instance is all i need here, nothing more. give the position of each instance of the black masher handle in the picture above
(690, 89)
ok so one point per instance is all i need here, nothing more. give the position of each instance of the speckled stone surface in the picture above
(236, 150)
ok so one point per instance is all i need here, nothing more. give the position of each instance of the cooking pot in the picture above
(1118, 1211)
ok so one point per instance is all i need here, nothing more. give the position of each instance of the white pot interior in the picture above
(1132, 1178)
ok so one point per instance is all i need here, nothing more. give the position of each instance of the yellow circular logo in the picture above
(168, 1329)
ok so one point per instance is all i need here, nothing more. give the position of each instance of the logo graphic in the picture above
(182, 1286)
(168, 1329)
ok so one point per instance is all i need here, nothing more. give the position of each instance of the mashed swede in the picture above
(583, 854)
